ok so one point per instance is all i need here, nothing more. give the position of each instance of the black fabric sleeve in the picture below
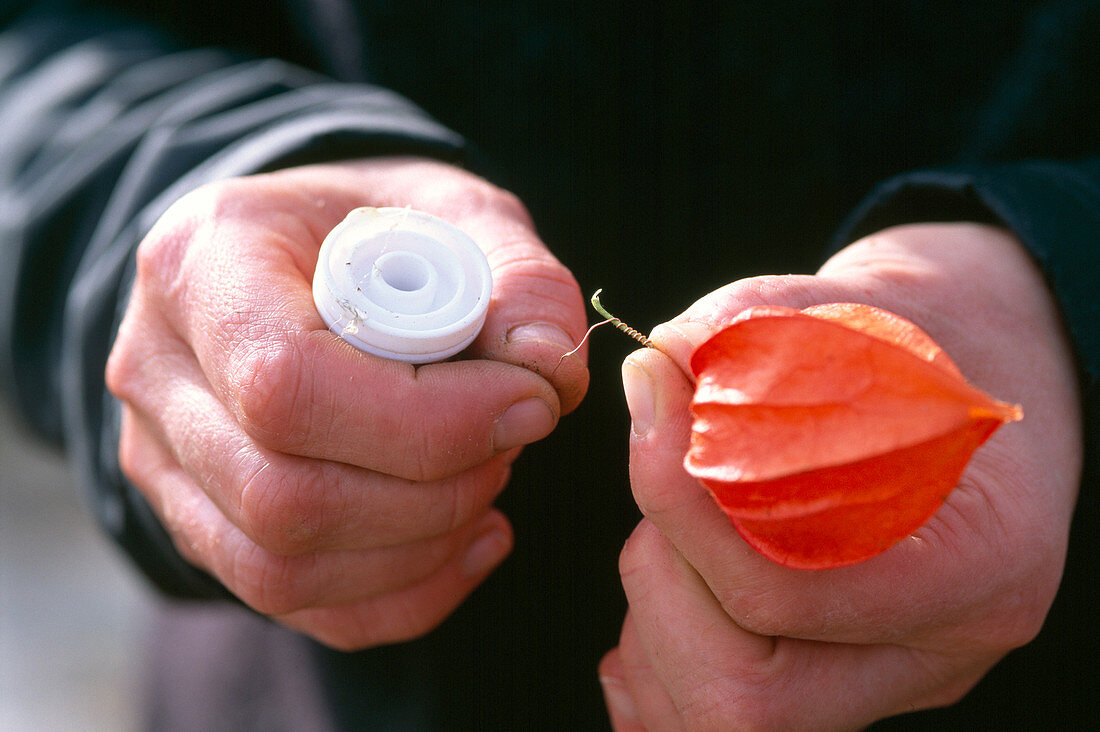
(105, 125)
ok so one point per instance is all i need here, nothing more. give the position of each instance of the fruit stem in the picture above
(618, 323)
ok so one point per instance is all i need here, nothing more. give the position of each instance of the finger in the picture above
(297, 388)
(412, 611)
(720, 675)
(620, 704)
(276, 584)
(636, 699)
(289, 504)
(657, 581)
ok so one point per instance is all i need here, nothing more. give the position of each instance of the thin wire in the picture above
(610, 319)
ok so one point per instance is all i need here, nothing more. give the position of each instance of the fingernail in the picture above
(618, 700)
(639, 397)
(541, 333)
(522, 423)
(486, 552)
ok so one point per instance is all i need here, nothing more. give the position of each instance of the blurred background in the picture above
(73, 616)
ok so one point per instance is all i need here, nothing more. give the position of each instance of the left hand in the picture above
(719, 637)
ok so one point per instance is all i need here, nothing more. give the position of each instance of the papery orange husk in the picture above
(829, 434)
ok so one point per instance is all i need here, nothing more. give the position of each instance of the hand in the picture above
(718, 637)
(345, 495)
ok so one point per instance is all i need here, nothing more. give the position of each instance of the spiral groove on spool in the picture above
(402, 284)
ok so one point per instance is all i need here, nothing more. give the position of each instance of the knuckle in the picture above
(474, 196)
(951, 693)
(167, 258)
(137, 344)
(1016, 623)
(444, 510)
(285, 507)
(123, 368)
(269, 392)
(453, 507)
(1029, 623)
(424, 459)
(470, 495)
(510, 205)
(524, 266)
(629, 561)
(217, 199)
(761, 614)
(749, 699)
(268, 583)
(659, 498)
(634, 558)
(187, 550)
(160, 253)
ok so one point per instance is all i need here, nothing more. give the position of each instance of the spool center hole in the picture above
(401, 271)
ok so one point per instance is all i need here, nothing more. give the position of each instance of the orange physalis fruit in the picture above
(831, 433)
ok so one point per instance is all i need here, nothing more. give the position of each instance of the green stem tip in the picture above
(618, 323)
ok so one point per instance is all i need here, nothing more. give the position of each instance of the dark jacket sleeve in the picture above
(105, 124)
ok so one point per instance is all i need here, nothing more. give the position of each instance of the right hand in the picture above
(345, 495)
(717, 635)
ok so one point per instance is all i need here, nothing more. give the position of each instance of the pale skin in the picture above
(347, 496)
(718, 637)
(351, 498)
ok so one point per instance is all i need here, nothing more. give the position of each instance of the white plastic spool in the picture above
(402, 284)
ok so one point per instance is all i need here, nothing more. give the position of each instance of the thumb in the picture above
(537, 312)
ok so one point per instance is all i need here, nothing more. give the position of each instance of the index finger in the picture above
(715, 671)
